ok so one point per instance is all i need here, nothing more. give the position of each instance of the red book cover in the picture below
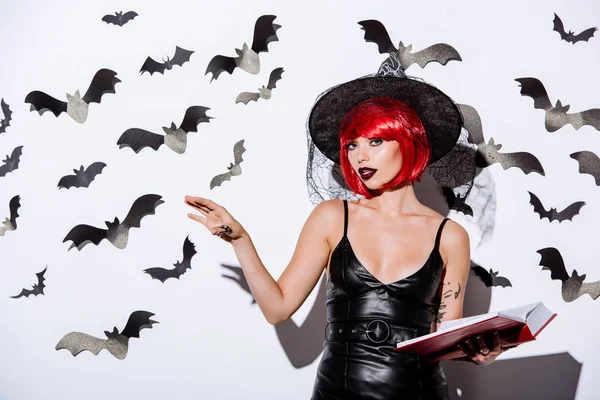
(513, 331)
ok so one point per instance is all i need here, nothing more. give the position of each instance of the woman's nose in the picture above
(363, 154)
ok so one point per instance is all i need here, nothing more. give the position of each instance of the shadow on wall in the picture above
(303, 344)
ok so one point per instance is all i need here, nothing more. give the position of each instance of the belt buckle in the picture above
(377, 328)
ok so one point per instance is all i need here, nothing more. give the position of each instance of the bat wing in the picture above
(193, 116)
(526, 162)
(455, 203)
(103, 82)
(589, 163)
(42, 102)
(76, 342)
(181, 56)
(142, 206)
(247, 97)
(13, 205)
(472, 123)
(152, 66)
(11, 163)
(376, 33)
(93, 170)
(588, 117)
(538, 207)
(483, 274)
(111, 19)
(439, 52)
(532, 87)
(137, 321)
(569, 212)
(128, 16)
(137, 139)
(7, 116)
(81, 235)
(68, 181)
(219, 179)
(162, 274)
(592, 288)
(265, 32)
(559, 27)
(38, 288)
(238, 151)
(499, 280)
(552, 260)
(584, 36)
(219, 64)
(274, 77)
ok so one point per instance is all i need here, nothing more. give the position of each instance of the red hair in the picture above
(388, 119)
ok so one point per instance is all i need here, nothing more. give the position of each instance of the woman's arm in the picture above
(455, 247)
(278, 300)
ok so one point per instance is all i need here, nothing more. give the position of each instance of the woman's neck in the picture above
(395, 202)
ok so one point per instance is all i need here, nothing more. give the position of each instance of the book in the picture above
(515, 325)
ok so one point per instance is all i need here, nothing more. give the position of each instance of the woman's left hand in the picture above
(483, 349)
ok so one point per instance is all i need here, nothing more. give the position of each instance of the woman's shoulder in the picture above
(329, 210)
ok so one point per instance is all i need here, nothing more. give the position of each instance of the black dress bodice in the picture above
(365, 320)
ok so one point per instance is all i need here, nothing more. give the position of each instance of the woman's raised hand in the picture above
(215, 218)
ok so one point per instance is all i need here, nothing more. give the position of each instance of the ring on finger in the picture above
(226, 230)
(484, 352)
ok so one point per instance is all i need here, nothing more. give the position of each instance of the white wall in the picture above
(210, 342)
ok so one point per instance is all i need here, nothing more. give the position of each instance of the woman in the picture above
(396, 269)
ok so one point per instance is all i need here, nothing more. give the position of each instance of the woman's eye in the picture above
(376, 142)
(349, 146)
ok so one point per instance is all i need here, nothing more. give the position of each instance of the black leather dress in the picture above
(365, 320)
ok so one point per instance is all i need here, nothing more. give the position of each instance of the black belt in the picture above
(376, 331)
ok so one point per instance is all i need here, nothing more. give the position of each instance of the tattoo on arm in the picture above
(447, 292)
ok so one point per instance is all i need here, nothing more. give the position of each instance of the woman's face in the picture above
(375, 160)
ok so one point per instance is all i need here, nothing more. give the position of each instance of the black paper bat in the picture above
(265, 32)
(552, 214)
(589, 163)
(488, 154)
(119, 18)
(117, 233)
(7, 116)
(376, 33)
(179, 58)
(557, 116)
(238, 278)
(455, 202)
(490, 278)
(11, 162)
(162, 274)
(572, 286)
(38, 288)
(234, 169)
(10, 223)
(77, 107)
(117, 343)
(263, 92)
(570, 36)
(82, 178)
(175, 138)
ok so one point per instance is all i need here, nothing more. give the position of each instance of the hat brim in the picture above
(439, 115)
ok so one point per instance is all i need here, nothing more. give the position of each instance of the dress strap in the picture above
(439, 233)
(345, 217)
